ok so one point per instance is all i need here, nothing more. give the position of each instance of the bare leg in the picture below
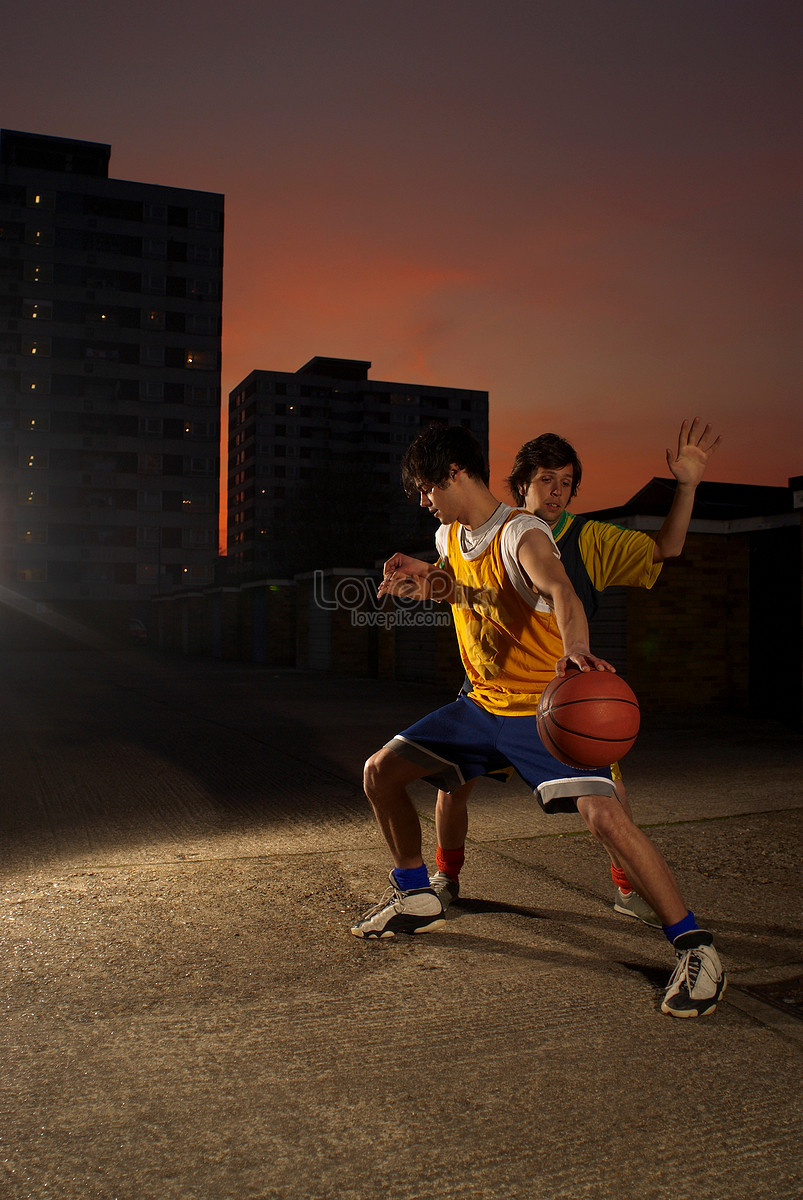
(621, 792)
(385, 778)
(451, 817)
(641, 860)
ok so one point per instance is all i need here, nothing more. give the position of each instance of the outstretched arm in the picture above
(688, 466)
(548, 577)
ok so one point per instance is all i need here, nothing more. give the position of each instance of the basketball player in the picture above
(518, 621)
(595, 554)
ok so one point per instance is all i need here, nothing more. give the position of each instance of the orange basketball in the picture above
(588, 719)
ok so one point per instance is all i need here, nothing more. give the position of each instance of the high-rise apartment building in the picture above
(110, 324)
(313, 469)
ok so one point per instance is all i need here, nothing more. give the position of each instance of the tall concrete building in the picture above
(313, 470)
(110, 324)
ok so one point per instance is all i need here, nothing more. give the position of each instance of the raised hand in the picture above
(695, 448)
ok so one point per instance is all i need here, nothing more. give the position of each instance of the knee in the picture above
(604, 817)
(381, 773)
(456, 801)
(371, 773)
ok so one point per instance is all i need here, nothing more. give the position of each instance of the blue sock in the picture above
(411, 877)
(685, 926)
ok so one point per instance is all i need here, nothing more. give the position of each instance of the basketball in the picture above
(588, 719)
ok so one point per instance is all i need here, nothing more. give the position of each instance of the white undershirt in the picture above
(473, 542)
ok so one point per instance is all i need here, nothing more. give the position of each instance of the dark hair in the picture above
(548, 451)
(429, 457)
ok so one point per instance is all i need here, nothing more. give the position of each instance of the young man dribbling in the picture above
(518, 620)
(595, 555)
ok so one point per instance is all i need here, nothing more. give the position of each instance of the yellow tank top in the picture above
(509, 649)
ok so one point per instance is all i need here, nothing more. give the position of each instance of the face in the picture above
(548, 492)
(439, 500)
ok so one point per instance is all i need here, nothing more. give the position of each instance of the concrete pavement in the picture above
(187, 1018)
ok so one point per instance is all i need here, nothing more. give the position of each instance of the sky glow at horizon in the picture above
(590, 210)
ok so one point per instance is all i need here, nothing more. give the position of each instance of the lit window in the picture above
(31, 497)
(199, 358)
(36, 462)
(33, 534)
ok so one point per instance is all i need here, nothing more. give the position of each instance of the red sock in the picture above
(450, 861)
(620, 879)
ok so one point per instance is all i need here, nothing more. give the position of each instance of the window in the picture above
(198, 502)
(39, 384)
(205, 360)
(38, 273)
(33, 496)
(32, 534)
(202, 323)
(149, 464)
(203, 289)
(39, 423)
(204, 218)
(39, 347)
(200, 429)
(198, 574)
(37, 310)
(203, 254)
(202, 395)
(152, 391)
(150, 501)
(32, 574)
(200, 466)
(201, 537)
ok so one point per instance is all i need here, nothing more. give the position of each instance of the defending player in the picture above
(518, 620)
(596, 554)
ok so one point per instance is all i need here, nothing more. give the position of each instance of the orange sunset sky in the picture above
(588, 209)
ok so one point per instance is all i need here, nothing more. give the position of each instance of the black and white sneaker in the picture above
(698, 980)
(416, 911)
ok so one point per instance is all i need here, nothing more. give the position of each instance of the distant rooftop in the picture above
(38, 152)
(713, 501)
(336, 368)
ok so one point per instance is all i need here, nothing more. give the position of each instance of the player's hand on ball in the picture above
(585, 660)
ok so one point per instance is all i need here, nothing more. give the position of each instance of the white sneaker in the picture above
(416, 911)
(698, 980)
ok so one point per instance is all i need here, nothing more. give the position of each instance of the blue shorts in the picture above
(462, 741)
